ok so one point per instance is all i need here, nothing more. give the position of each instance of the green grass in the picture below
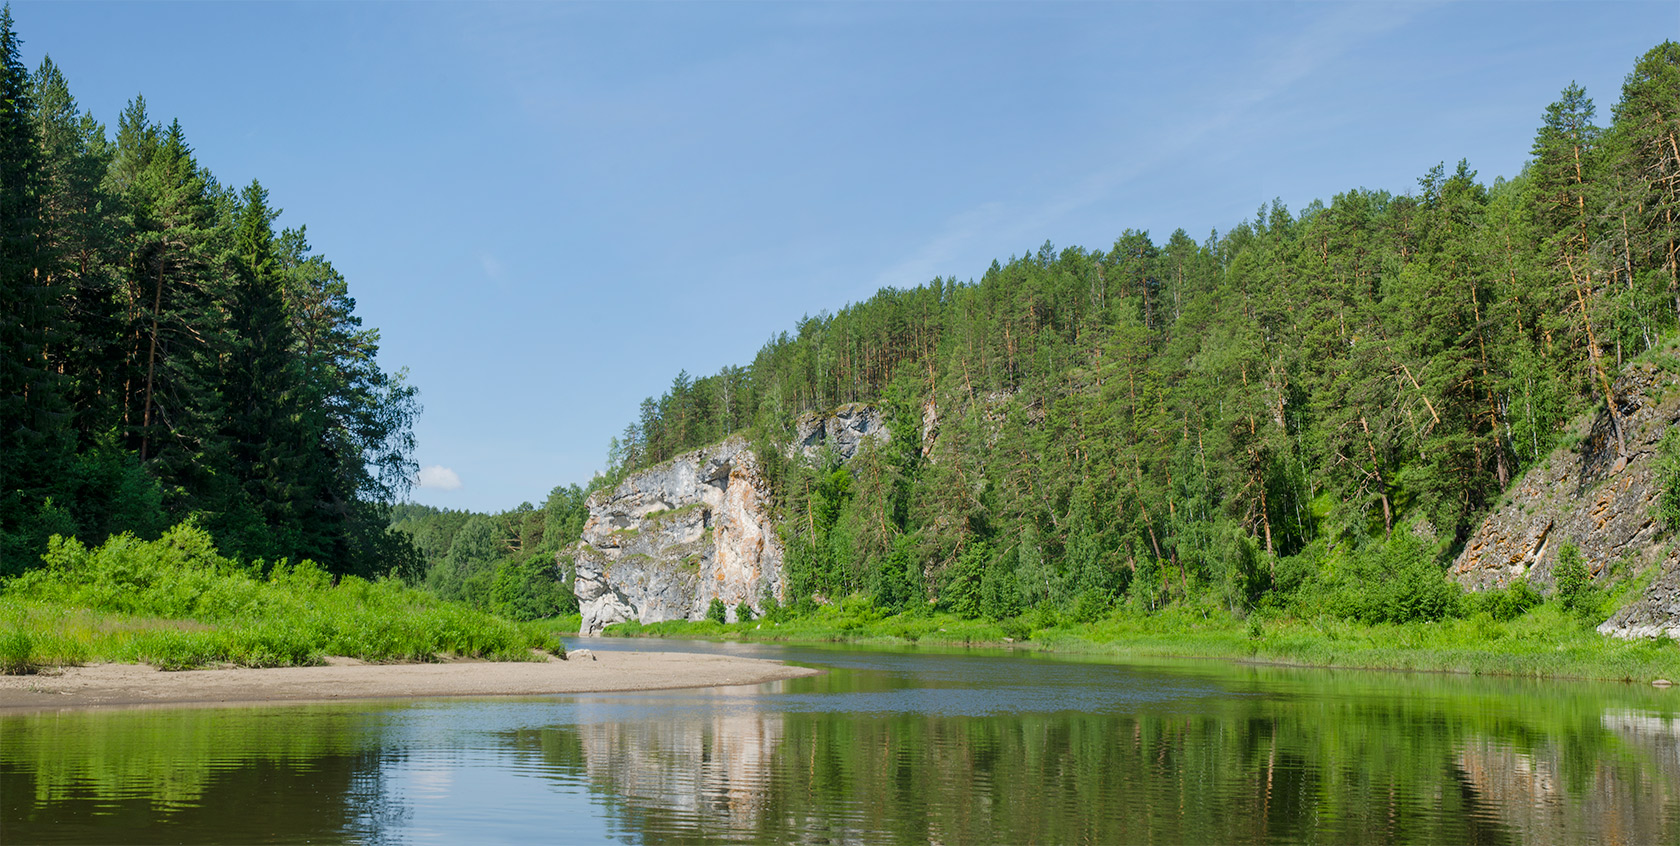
(1545, 642)
(175, 603)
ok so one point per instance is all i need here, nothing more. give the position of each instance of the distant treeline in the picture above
(1229, 418)
(506, 563)
(165, 353)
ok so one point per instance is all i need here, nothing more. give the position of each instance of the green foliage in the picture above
(1668, 479)
(1508, 603)
(744, 612)
(717, 612)
(249, 614)
(773, 610)
(1573, 587)
(17, 653)
(530, 590)
(513, 563)
(1393, 582)
(173, 355)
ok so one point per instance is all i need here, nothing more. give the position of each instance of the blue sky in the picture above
(548, 209)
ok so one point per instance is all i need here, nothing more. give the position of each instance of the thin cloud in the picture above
(1287, 63)
(439, 478)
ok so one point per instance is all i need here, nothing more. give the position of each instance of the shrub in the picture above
(1572, 585)
(744, 613)
(773, 610)
(717, 612)
(1509, 603)
(1668, 479)
(1394, 582)
(1091, 605)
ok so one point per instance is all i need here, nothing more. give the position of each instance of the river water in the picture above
(914, 746)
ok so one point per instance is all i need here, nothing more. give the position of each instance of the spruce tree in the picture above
(34, 421)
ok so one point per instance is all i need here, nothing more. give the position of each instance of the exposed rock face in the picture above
(669, 539)
(1597, 499)
(842, 430)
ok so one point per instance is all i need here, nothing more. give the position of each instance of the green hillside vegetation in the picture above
(1303, 417)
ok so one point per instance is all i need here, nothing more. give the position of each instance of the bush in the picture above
(1509, 603)
(1572, 585)
(744, 613)
(1668, 479)
(1091, 605)
(773, 610)
(1395, 582)
(717, 612)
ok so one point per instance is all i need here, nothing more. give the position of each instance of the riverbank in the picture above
(133, 685)
(1545, 642)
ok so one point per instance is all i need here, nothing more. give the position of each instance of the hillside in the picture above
(1267, 418)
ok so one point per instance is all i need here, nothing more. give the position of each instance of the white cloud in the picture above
(441, 478)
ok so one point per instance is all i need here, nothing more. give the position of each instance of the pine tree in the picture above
(1565, 165)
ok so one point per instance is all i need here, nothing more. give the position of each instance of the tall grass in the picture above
(176, 603)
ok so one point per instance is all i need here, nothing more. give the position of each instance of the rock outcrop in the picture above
(1597, 497)
(669, 539)
(843, 430)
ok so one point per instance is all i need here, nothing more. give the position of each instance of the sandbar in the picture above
(138, 685)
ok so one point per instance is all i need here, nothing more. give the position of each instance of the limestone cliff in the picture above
(669, 539)
(1598, 498)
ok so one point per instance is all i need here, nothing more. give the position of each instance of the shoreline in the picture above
(1357, 649)
(100, 686)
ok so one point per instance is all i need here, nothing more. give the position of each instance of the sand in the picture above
(130, 685)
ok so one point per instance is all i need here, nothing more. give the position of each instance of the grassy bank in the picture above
(1546, 641)
(176, 603)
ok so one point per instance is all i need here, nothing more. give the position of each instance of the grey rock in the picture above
(843, 430)
(1600, 499)
(669, 539)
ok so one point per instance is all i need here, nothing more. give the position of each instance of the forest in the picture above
(1316, 398)
(170, 356)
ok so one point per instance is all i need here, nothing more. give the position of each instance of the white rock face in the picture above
(671, 538)
(842, 430)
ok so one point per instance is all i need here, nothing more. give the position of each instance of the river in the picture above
(914, 746)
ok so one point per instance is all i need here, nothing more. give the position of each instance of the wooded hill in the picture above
(1333, 394)
(165, 353)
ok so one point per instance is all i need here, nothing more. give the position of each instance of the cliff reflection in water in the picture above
(1556, 790)
(711, 767)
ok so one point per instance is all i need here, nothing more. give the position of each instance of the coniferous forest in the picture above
(169, 355)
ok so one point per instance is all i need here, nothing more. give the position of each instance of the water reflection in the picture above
(183, 775)
(886, 747)
(707, 764)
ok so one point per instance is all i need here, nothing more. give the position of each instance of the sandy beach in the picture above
(130, 685)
